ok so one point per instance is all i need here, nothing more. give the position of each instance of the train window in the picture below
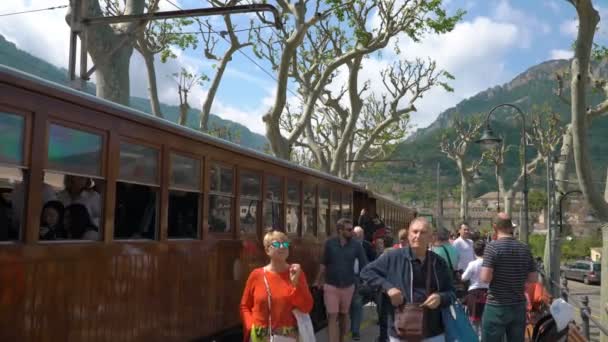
(310, 210)
(12, 178)
(250, 186)
(220, 199)
(273, 204)
(335, 208)
(323, 227)
(12, 202)
(293, 206)
(137, 193)
(74, 151)
(72, 207)
(184, 197)
(11, 138)
(347, 202)
(74, 170)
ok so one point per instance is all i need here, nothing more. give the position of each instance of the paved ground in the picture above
(577, 290)
(369, 328)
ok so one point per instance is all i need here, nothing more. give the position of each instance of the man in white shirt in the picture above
(77, 190)
(464, 245)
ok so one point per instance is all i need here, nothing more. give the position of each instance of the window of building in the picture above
(273, 205)
(309, 212)
(73, 186)
(184, 197)
(323, 226)
(137, 193)
(251, 190)
(13, 184)
(293, 206)
(220, 199)
(335, 208)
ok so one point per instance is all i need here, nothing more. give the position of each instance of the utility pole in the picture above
(552, 248)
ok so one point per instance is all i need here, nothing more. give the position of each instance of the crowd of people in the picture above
(410, 282)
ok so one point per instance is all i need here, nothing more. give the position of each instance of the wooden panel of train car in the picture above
(160, 225)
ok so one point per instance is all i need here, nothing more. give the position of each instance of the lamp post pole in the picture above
(489, 139)
(439, 199)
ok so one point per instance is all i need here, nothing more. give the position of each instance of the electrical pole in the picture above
(552, 245)
(439, 199)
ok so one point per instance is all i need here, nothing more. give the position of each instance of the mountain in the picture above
(12, 56)
(534, 87)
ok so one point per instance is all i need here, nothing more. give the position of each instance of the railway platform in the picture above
(369, 326)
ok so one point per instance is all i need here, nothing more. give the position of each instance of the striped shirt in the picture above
(511, 262)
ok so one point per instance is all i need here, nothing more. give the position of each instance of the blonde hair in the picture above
(272, 236)
(402, 235)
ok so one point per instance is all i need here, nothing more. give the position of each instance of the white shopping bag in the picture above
(562, 312)
(305, 329)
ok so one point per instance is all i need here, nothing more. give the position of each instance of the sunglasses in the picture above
(277, 244)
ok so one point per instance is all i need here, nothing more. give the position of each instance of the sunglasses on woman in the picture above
(278, 244)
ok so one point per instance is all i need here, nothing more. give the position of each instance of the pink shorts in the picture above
(337, 300)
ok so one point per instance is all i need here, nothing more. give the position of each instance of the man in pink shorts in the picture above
(337, 277)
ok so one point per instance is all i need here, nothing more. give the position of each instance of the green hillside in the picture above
(13, 57)
(536, 86)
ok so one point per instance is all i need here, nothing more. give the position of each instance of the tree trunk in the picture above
(183, 114)
(152, 87)
(112, 74)
(464, 197)
(215, 84)
(509, 198)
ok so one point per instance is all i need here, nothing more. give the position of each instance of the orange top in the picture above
(285, 298)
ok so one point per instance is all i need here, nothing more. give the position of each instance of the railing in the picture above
(582, 306)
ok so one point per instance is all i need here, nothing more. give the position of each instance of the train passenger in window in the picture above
(5, 216)
(51, 221)
(80, 190)
(78, 223)
(287, 288)
(18, 200)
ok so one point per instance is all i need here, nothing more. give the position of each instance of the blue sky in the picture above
(496, 40)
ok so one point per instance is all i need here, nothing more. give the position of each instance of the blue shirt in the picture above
(339, 261)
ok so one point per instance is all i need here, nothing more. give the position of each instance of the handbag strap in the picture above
(428, 272)
(269, 303)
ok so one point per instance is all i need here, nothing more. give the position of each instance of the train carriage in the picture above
(176, 219)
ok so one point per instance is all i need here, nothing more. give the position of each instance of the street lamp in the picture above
(561, 213)
(489, 140)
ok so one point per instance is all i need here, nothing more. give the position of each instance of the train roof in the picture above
(32, 82)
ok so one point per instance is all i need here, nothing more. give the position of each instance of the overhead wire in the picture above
(34, 10)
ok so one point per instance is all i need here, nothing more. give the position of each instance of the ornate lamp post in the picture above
(489, 140)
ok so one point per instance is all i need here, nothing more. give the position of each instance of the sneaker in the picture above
(356, 337)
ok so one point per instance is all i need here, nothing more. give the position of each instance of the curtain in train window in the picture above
(273, 203)
(293, 206)
(251, 184)
(137, 192)
(13, 185)
(323, 226)
(184, 197)
(220, 199)
(309, 212)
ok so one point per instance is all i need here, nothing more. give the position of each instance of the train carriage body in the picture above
(179, 219)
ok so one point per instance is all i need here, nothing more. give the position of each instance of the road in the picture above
(577, 290)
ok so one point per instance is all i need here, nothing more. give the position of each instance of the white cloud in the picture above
(552, 5)
(561, 54)
(569, 28)
(529, 26)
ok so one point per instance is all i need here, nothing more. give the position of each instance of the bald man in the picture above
(507, 266)
(360, 297)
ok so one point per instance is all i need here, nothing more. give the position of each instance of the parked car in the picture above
(584, 270)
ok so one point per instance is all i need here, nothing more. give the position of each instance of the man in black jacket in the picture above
(361, 294)
(401, 274)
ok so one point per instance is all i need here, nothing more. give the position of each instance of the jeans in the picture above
(383, 304)
(498, 320)
(356, 312)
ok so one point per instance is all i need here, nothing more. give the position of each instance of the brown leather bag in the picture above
(410, 318)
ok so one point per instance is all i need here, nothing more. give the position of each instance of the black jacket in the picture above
(393, 269)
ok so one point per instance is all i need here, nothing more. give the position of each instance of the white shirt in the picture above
(89, 198)
(465, 252)
(472, 274)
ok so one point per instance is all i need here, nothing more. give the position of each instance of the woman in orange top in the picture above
(288, 290)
